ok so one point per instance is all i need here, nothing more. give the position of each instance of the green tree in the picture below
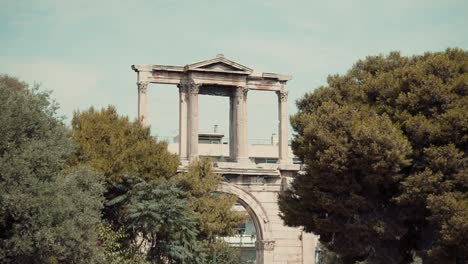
(162, 222)
(138, 168)
(385, 148)
(213, 209)
(162, 219)
(220, 252)
(47, 211)
(116, 146)
(326, 256)
(115, 252)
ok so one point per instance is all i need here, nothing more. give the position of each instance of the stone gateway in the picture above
(255, 184)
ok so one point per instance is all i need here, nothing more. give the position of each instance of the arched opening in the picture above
(258, 216)
(244, 238)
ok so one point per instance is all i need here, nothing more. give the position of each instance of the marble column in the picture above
(283, 127)
(142, 102)
(232, 127)
(241, 134)
(183, 122)
(193, 121)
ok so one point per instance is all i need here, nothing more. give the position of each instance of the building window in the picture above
(209, 139)
(266, 160)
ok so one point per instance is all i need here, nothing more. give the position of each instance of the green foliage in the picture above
(220, 252)
(355, 156)
(386, 149)
(173, 219)
(115, 146)
(47, 211)
(327, 256)
(213, 209)
(114, 251)
(12, 83)
(162, 222)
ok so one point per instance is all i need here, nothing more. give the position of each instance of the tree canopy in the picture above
(117, 146)
(159, 213)
(175, 216)
(385, 148)
(213, 209)
(48, 211)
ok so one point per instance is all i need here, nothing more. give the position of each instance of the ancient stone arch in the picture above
(253, 207)
(265, 242)
(255, 185)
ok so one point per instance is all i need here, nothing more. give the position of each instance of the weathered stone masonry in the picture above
(276, 243)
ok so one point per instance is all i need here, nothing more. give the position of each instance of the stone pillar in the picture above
(183, 122)
(193, 121)
(283, 127)
(232, 128)
(241, 134)
(142, 102)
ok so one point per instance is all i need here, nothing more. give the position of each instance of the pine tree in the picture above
(385, 148)
(165, 226)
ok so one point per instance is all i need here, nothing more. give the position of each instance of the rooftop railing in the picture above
(252, 141)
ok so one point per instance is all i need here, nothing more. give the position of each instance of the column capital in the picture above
(267, 245)
(241, 92)
(194, 88)
(282, 95)
(142, 102)
(182, 88)
(142, 86)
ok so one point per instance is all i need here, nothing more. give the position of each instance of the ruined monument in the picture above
(256, 185)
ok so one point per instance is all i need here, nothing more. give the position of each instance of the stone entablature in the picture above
(214, 71)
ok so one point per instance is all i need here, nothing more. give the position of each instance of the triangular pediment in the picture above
(219, 64)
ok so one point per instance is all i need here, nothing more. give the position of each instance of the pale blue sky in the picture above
(82, 50)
